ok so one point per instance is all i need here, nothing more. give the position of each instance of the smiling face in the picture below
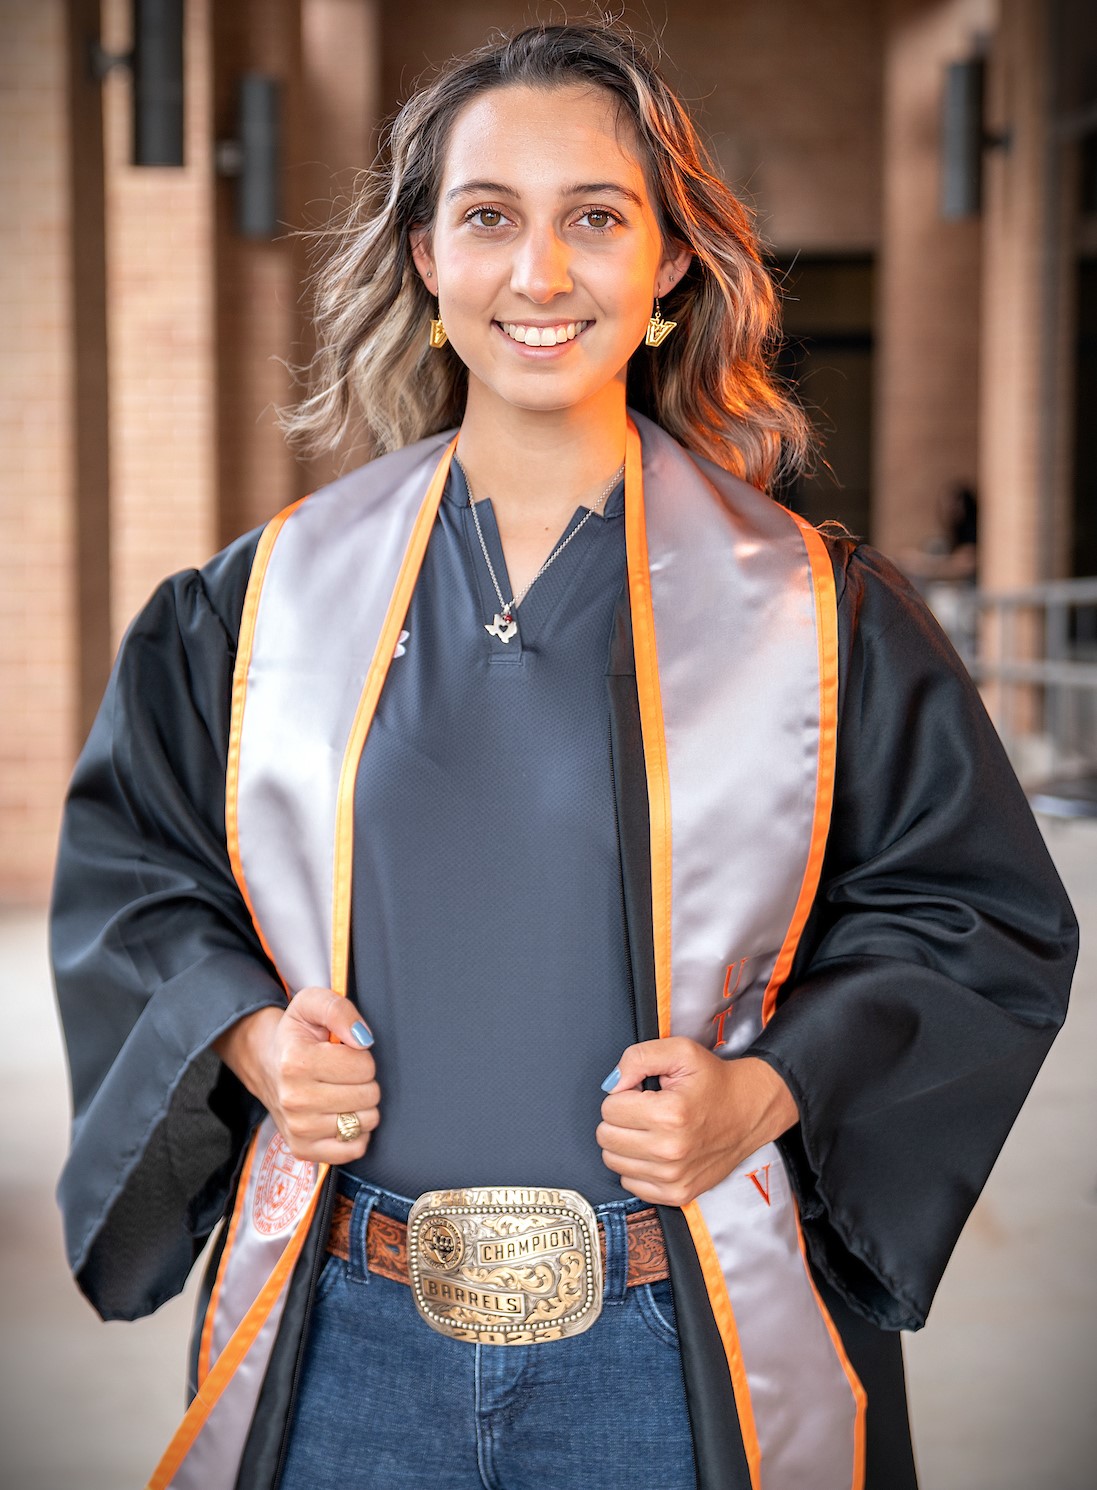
(545, 252)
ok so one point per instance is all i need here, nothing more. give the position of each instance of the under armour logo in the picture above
(400, 640)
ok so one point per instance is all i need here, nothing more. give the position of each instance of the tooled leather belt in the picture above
(387, 1244)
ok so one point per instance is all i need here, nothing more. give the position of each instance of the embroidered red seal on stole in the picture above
(282, 1190)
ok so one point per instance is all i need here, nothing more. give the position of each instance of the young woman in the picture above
(545, 745)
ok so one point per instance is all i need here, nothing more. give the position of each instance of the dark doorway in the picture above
(1084, 545)
(827, 356)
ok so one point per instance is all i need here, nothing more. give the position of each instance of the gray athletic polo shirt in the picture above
(489, 943)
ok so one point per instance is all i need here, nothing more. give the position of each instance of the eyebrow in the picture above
(581, 189)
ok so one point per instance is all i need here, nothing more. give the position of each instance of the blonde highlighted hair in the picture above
(710, 385)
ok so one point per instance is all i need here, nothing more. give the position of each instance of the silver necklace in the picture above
(504, 626)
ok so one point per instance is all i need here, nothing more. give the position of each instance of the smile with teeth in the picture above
(543, 336)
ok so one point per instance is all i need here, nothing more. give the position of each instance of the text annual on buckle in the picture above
(505, 1265)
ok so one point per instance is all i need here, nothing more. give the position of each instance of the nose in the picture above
(541, 268)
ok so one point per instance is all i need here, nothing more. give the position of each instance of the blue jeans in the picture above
(385, 1401)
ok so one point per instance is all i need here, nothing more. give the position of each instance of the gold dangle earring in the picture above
(438, 337)
(658, 329)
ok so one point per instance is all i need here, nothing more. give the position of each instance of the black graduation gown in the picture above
(928, 985)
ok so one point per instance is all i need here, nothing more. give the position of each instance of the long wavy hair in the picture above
(374, 378)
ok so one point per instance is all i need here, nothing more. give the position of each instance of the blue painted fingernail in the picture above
(363, 1034)
(612, 1079)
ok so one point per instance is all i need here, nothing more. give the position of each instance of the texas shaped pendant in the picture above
(504, 626)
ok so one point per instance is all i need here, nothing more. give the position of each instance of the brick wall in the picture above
(928, 324)
(324, 53)
(37, 632)
(196, 319)
(788, 93)
(1020, 434)
(160, 334)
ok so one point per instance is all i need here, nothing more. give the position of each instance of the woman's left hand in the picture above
(708, 1115)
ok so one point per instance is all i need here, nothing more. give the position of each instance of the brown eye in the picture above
(599, 220)
(487, 217)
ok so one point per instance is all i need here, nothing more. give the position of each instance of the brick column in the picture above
(90, 496)
(1024, 344)
(341, 51)
(256, 285)
(160, 331)
(38, 709)
(928, 311)
(324, 55)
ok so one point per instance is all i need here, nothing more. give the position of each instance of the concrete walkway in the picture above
(1002, 1381)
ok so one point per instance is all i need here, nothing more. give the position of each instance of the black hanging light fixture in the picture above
(253, 156)
(158, 82)
(156, 65)
(964, 139)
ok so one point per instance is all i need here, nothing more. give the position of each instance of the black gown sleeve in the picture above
(154, 953)
(934, 969)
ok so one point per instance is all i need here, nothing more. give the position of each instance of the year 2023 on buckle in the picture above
(504, 1265)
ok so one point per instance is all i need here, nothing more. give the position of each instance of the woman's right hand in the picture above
(288, 1059)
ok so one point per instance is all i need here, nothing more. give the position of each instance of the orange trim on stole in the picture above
(234, 1224)
(658, 780)
(713, 1273)
(860, 1397)
(826, 630)
(244, 648)
(209, 1394)
(243, 1337)
(375, 679)
(193, 1420)
(826, 626)
(651, 717)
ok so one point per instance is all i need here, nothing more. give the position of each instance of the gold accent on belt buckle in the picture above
(504, 1265)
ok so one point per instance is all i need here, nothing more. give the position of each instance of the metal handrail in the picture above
(1056, 674)
(1057, 591)
(1045, 672)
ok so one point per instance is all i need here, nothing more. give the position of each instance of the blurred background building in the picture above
(925, 177)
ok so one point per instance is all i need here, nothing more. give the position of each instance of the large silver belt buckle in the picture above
(505, 1266)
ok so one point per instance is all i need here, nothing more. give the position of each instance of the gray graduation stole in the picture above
(735, 636)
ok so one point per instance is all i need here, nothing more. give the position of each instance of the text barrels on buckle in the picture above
(505, 1265)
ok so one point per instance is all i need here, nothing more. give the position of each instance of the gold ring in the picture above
(349, 1126)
